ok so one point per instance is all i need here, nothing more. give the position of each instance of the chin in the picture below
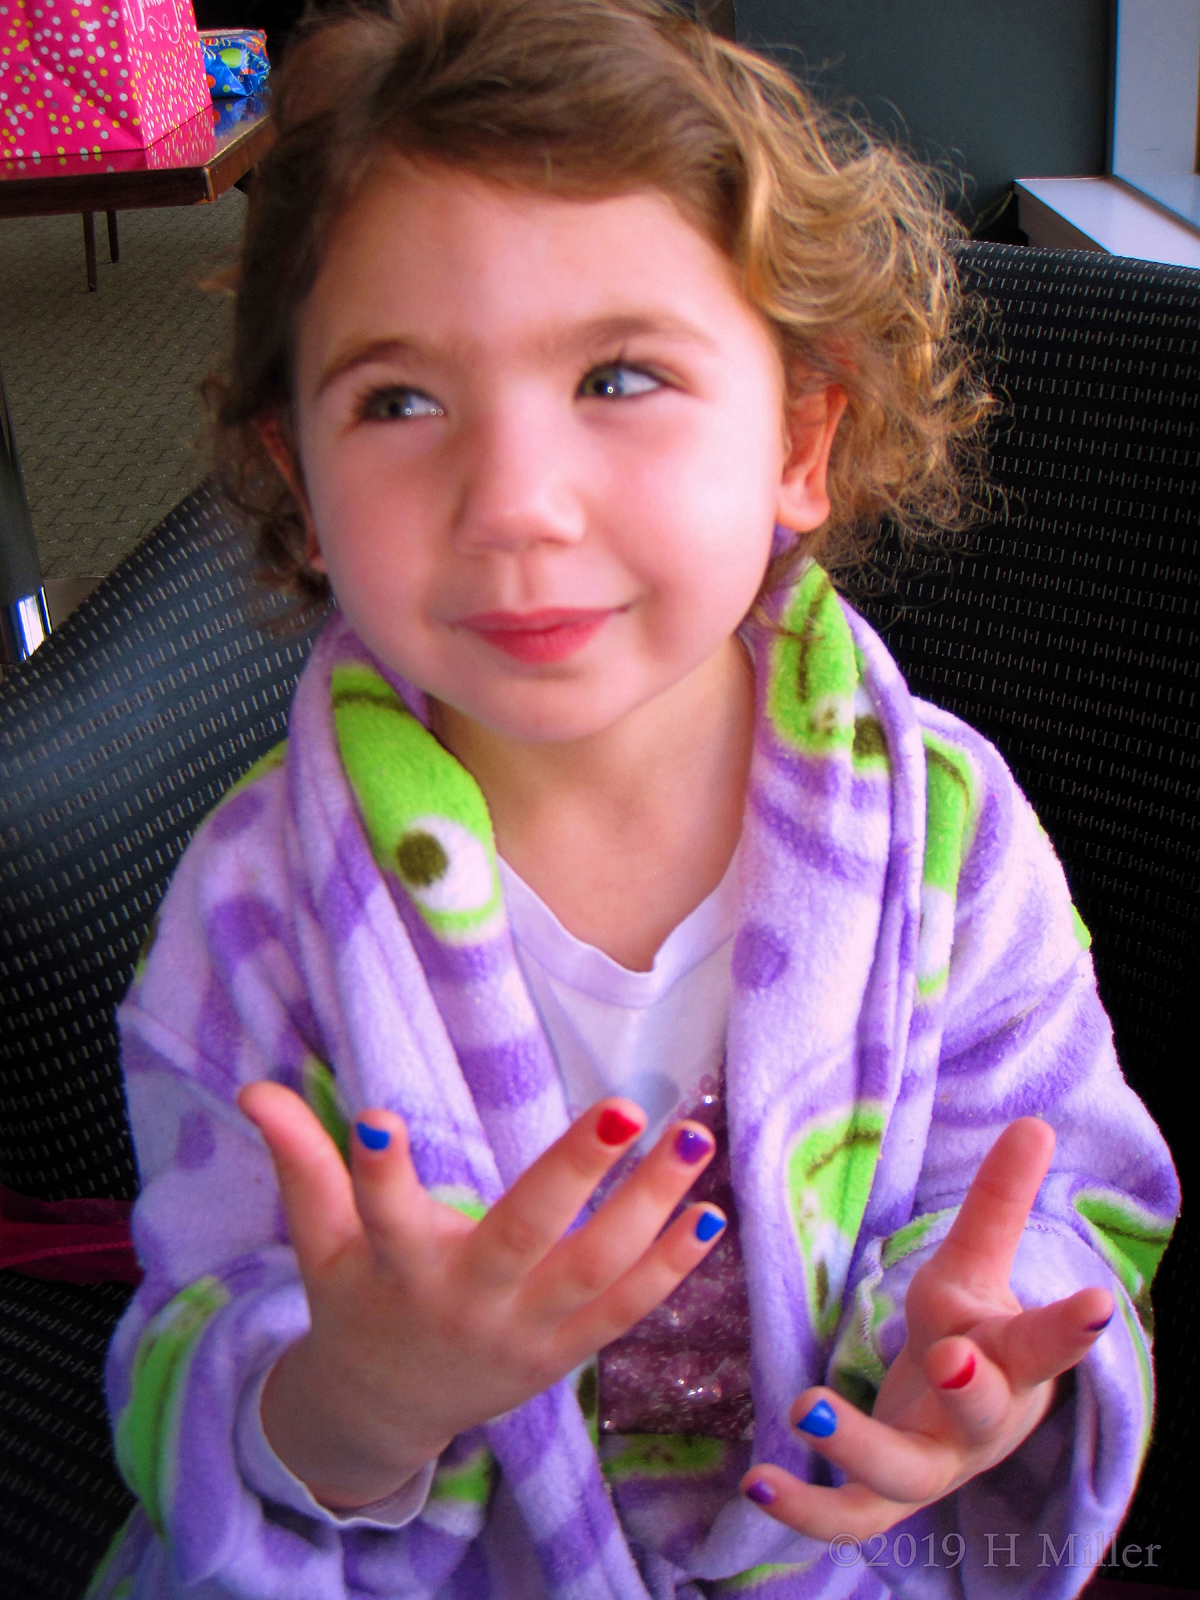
(547, 723)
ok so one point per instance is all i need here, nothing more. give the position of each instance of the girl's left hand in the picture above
(974, 1378)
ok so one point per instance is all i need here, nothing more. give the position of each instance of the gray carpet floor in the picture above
(102, 387)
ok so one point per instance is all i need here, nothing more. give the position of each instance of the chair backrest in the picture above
(1066, 631)
(115, 739)
(1069, 633)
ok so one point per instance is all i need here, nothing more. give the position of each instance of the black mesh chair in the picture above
(1069, 633)
(1066, 631)
(115, 739)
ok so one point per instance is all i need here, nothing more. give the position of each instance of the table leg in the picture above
(89, 246)
(114, 244)
(24, 620)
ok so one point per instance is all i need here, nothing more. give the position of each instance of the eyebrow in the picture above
(363, 355)
(580, 336)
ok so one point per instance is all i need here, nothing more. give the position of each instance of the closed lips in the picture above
(538, 636)
(533, 621)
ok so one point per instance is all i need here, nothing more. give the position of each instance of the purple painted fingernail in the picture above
(1099, 1327)
(691, 1145)
(761, 1492)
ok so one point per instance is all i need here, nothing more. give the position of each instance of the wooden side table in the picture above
(194, 165)
(89, 243)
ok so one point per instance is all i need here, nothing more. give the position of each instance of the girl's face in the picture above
(543, 446)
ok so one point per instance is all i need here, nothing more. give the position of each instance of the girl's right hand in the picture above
(425, 1322)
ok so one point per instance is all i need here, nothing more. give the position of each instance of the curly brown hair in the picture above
(841, 242)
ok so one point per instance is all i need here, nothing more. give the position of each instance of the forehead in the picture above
(461, 258)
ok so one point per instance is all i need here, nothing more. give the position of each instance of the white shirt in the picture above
(653, 1037)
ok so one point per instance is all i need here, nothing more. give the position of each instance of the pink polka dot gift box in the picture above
(88, 77)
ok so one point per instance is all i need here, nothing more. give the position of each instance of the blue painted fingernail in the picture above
(1099, 1327)
(691, 1145)
(708, 1226)
(821, 1421)
(373, 1138)
(761, 1493)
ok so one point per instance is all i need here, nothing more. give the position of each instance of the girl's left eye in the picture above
(616, 381)
(397, 404)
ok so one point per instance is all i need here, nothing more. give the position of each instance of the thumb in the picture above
(317, 1194)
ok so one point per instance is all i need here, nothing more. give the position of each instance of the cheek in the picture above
(715, 518)
(729, 469)
(363, 525)
(703, 576)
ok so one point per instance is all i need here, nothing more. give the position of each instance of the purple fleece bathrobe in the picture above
(909, 975)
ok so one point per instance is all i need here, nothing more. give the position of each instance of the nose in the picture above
(520, 480)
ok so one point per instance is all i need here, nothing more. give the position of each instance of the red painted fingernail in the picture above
(614, 1127)
(963, 1376)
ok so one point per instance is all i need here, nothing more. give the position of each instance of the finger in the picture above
(1041, 1343)
(314, 1185)
(590, 1260)
(523, 1226)
(979, 1249)
(896, 1464)
(685, 1243)
(822, 1513)
(974, 1393)
(397, 1212)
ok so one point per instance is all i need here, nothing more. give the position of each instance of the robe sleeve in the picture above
(271, 1479)
(227, 994)
(1023, 1032)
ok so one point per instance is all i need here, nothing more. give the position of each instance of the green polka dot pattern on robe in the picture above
(814, 673)
(1131, 1239)
(460, 1198)
(273, 759)
(830, 1166)
(146, 1429)
(913, 1235)
(857, 1366)
(426, 819)
(324, 1098)
(460, 1493)
(663, 1455)
(951, 806)
(763, 1580)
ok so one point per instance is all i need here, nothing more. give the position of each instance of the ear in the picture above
(811, 423)
(278, 444)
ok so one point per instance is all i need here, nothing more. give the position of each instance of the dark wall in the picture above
(275, 17)
(1004, 88)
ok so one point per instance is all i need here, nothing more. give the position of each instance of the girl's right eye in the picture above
(617, 380)
(398, 404)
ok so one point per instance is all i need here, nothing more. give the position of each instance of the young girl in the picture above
(597, 1089)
